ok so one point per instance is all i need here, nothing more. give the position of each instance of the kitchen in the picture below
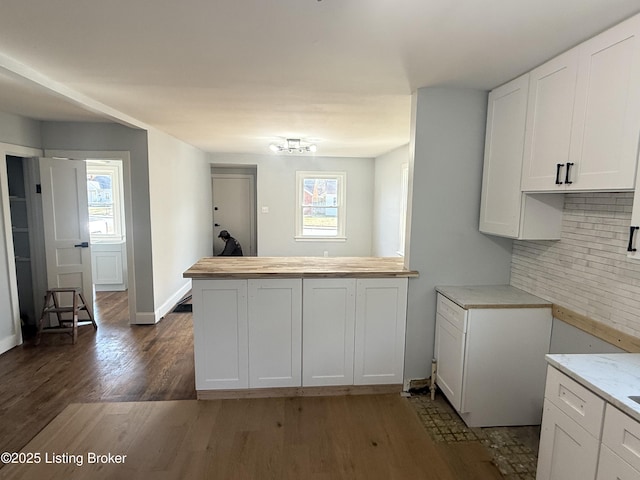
(448, 124)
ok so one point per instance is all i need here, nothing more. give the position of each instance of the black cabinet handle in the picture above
(558, 168)
(82, 245)
(566, 175)
(632, 230)
(216, 224)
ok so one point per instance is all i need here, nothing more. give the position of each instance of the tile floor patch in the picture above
(513, 449)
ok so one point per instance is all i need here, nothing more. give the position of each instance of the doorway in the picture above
(31, 269)
(234, 207)
(25, 244)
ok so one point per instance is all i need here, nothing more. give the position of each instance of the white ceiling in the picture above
(236, 75)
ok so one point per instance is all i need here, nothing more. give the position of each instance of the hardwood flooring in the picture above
(332, 438)
(130, 390)
(118, 362)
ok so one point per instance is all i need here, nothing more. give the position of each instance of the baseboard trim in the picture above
(299, 391)
(10, 342)
(145, 318)
(167, 306)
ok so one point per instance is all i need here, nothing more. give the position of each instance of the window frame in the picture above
(341, 208)
(113, 168)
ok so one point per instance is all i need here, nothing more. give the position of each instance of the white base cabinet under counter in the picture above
(275, 332)
(328, 338)
(381, 317)
(490, 348)
(220, 334)
(591, 426)
(296, 336)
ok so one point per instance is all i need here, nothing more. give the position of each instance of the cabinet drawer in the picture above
(621, 434)
(581, 405)
(452, 312)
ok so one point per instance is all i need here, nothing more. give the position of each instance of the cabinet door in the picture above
(220, 334)
(449, 354)
(275, 332)
(567, 451)
(501, 195)
(381, 311)
(552, 88)
(604, 139)
(329, 310)
(612, 467)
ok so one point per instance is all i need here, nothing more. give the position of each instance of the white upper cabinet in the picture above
(583, 120)
(504, 209)
(501, 196)
(549, 116)
(606, 125)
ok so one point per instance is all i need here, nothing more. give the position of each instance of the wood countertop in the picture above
(299, 267)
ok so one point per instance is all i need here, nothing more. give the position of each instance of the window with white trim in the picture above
(320, 205)
(104, 191)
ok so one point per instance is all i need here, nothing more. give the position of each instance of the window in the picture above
(104, 191)
(320, 205)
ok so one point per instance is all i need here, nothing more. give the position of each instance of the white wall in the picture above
(387, 202)
(181, 219)
(276, 189)
(446, 247)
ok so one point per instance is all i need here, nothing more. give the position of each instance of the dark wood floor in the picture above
(119, 362)
(125, 363)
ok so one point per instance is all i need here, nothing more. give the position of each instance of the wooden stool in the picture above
(65, 325)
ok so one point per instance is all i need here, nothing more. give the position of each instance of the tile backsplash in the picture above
(587, 270)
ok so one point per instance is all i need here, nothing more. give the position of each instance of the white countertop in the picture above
(492, 296)
(613, 376)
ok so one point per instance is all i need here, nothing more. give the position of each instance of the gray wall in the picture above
(110, 136)
(18, 130)
(276, 189)
(448, 127)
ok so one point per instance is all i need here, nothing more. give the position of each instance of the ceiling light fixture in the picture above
(292, 145)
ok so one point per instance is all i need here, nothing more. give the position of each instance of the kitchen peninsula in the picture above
(271, 326)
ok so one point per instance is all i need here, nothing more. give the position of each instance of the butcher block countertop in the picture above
(492, 296)
(299, 267)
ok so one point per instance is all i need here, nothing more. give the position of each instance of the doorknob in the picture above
(82, 245)
(216, 224)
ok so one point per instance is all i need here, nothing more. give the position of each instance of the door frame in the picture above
(14, 303)
(125, 156)
(239, 172)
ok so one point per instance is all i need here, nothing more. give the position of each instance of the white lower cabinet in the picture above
(583, 437)
(329, 311)
(275, 332)
(449, 350)
(567, 451)
(611, 466)
(261, 333)
(490, 362)
(381, 311)
(220, 334)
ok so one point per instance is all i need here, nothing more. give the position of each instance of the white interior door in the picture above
(66, 225)
(234, 210)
